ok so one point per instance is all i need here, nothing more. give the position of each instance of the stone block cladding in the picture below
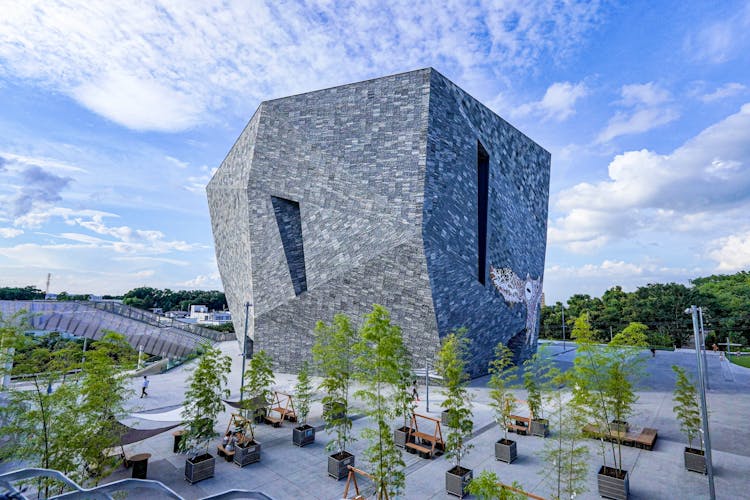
(383, 177)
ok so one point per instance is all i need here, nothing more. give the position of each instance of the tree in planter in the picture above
(404, 398)
(303, 392)
(379, 358)
(502, 401)
(487, 486)
(539, 375)
(257, 384)
(451, 365)
(603, 388)
(688, 414)
(204, 401)
(331, 353)
(565, 459)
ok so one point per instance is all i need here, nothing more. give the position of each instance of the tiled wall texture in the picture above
(384, 173)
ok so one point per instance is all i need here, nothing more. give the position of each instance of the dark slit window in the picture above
(290, 228)
(483, 179)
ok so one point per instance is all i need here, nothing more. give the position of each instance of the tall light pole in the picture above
(244, 352)
(562, 306)
(704, 410)
(703, 347)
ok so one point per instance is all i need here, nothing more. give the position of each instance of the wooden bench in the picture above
(427, 445)
(521, 425)
(283, 405)
(646, 439)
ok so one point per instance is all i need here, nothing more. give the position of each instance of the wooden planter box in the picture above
(399, 436)
(337, 464)
(248, 454)
(303, 435)
(505, 450)
(695, 460)
(539, 427)
(619, 426)
(612, 486)
(456, 481)
(199, 468)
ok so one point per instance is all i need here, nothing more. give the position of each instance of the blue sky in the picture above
(114, 114)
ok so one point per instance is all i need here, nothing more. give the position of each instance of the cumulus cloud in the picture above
(39, 187)
(10, 232)
(169, 64)
(731, 253)
(647, 109)
(558, 102)
(708, 174)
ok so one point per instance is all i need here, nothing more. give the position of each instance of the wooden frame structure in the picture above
(522, 424)
(351, 478)
(283, 405)
(416, 440)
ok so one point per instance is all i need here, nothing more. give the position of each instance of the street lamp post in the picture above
(244, 352)
(562, 306)
(703, 347)
(704, 410)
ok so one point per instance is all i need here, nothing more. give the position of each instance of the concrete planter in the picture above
(248, 454)
(695, 460)
(505, 450)
(444, 418)
(199, 468)
(611, 485)
(539, 427)
(456, 481)
(338, 463)
(619, 426)
(399, 436)
(303, 435)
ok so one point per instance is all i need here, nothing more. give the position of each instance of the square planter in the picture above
(337, 464)
(199, 468)
(611, 485)
(456, 481)
(539, 427)
(619, 426)
(505, 450)
(247, 454)
(400, 436)
(303, 435)
(695, 460)
(444, 418)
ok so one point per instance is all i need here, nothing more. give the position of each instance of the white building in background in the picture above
(201, 315)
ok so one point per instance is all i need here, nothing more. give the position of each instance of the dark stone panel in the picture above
(290, 229)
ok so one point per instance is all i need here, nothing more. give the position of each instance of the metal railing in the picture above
(103, 491)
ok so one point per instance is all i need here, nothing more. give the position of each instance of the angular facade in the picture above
(403, 191)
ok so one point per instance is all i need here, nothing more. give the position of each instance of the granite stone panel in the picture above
(383, 176)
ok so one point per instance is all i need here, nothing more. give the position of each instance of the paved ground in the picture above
(286, 471)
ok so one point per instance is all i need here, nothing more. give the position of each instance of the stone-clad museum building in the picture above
(403, 191)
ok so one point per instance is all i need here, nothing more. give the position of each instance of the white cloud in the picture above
(10, 232)
(731, 253)
(719, 42)
(558, 102)
(203, 281)
(726, 90)
(709, 174)
(171, 64)
(648, 110)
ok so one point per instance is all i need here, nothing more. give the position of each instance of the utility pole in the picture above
(244, 353)
(562, 306)
(704, 410)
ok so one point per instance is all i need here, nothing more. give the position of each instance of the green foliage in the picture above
(379, 358)
(582, 331)
(147, 298)
(565, 458)
(303, 392)
(603, 380)
(503, 376)
(451, 365)
(487, 486)
(18, 293)
(257, 385)
(635, 334)
(686, 406)
(331, 352)
(204, 398)
(539, 375)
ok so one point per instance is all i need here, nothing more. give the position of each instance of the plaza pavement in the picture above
(286, 471)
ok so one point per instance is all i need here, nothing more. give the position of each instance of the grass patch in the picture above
(740, 360)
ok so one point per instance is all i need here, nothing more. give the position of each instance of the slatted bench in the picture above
(283, 405)
(646, 439)
(521, 425)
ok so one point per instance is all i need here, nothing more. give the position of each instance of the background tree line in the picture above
(725, 300)
(141, 298)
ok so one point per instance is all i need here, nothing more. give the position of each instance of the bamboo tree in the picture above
(565, 457)
(686, 406)
(204, 399)
(451, 364)
(258, 379)
(303, 392)
(379, 358)
(503, 374)
(331, 353)
(487, 486)
(539, 375)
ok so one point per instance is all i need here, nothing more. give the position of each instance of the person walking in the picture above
(414, 393)
(144, 386)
